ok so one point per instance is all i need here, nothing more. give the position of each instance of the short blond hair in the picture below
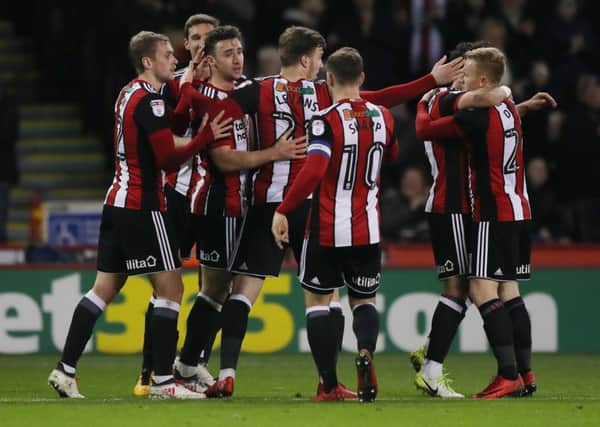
(143, 44)
(490, 61)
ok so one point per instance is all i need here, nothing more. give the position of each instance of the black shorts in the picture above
(324, 268)
(178, 212)
(257, 254)
(216, 239)
(501, 250)
(136, 242)
(450, 240)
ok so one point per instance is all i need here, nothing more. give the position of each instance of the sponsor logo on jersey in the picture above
(352, 114)
(158, 107)
(282, 87)
(138, 264)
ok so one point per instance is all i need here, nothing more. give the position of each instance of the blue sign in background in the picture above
(66, 229)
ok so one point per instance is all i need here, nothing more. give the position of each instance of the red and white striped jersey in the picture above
(497, 169)
(356, 136)
(277, 105)
(223, 193)
(181, 179)
(449, 192)
(138, 182)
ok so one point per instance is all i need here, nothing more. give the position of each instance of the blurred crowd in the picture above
(552, 45)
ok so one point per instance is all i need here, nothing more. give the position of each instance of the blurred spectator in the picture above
(403, 209)
(9, 174)
(307, 13)
(547, 223)
(494, 32)
(579, 151)
(267, 61)
(426, 40)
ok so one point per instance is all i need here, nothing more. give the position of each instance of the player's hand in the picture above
(279, 228)
(220, 127)
(200, 66)
(541, 100)
(447, 73)
(290, 149)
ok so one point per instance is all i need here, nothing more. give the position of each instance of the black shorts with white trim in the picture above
(216, 238)
(324, 268)
(501, 250)
(450, 240)
(136, 242)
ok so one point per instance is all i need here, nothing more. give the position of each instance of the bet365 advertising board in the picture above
(36, 308)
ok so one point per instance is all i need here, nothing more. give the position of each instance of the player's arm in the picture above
(439, 129)
(536, 102)
(441, 73)
(150, 115)
(482, 98)
(228, 159)
(314, 169)
(392, 148)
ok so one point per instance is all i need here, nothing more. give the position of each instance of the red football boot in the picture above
(530, 385)
(345, 391)
(500, 387)
(336, 393)
(221, 388)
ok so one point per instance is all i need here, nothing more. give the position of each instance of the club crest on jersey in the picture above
(282, 87)
(158, 107)
(318, 127)
(351, 114)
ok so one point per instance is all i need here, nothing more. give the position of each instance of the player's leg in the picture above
(87, 311)
(362, 274)
(169, 290)
(203, 323)
(489, 242)
(448, 314)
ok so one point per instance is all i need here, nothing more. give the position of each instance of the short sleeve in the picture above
(151, 113)
(320, 137)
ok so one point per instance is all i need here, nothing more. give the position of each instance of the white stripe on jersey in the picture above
(511, 142)
(123, 178)
(379, 136)
(435, 171)
(343, 195)
(281, 168)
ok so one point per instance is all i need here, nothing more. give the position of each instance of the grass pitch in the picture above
(274, 390)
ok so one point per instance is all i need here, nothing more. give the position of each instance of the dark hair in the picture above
(199, 18)
(295, 42)
(144, 44)
(345, 64)
(225, 32)
(463, 47)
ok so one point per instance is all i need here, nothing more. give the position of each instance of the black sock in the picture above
(446, 318)
(521, 324)
(337, 322)
(323, 346)
(147, 348)
(235, 321)
(82, 325)
(498, 328)
(366, 326)
(164, 334)
(217, 321)
(200, 329)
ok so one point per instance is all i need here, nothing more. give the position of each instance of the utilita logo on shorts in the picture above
(447, 267)
(138, 264)
(524, 269)
(367, 282)
(209, 256)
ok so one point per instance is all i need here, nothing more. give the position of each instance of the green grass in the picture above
(274, 390)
